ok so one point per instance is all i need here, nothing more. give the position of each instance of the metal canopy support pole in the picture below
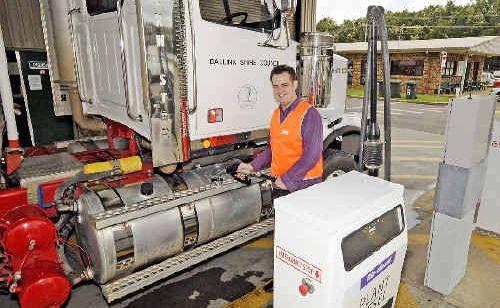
(13, 156)
(7, 99)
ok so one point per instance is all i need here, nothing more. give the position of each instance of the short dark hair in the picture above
(283, 68)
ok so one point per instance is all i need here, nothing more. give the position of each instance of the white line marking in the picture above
(436, 108)
(405, 141)
(409, 111)
(417, 159)
(413, 177)
(392, 113)
(435, 111)
(416, 146)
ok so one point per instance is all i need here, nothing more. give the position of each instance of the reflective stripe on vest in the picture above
(286, 142)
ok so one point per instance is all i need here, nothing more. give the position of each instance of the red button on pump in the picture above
(303, 289)
(306, 286)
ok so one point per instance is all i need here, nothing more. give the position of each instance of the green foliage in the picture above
(479, 18)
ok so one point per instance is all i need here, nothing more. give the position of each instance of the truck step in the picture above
(136, 281)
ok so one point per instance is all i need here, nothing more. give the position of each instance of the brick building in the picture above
(420, 61)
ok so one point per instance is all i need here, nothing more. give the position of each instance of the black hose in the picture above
(371, 145)
(80, 177)
(373, 79)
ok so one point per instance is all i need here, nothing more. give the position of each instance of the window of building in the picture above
(407, 67)
(95, 7)
(363, 242)
(252, 14)
(450, 68)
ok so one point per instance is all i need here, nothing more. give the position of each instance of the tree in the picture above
(435, 21)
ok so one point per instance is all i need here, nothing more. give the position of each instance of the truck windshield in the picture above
(252, 14)
(363, 242)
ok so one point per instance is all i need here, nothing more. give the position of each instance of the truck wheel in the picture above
(335, 160)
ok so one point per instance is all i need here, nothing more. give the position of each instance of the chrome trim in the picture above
(193, 59)
(315, 67)
(142, 54)
(76, 65)
(134, 117)
(161, 25)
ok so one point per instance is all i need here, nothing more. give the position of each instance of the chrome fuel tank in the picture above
(120, 249)
(226, 212)
(117, 250)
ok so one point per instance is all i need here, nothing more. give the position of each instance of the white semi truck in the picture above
(184, 85)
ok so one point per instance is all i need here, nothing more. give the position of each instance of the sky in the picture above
(352, 9)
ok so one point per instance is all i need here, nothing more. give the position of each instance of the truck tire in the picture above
(337, 160)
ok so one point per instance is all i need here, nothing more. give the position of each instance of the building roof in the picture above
(489, 45)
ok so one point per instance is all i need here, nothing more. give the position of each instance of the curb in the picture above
(404, 101)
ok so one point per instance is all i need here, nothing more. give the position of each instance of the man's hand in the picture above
(279, 183)
(243, 169)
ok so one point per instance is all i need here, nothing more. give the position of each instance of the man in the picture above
(296, 137)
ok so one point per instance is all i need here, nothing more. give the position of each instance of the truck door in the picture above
(109, 76)
(232, 68)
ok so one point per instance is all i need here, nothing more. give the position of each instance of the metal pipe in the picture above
(364, 112)
(83, 121)
(7, 99)
(387, 98)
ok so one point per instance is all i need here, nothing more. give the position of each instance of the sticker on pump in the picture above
(299, 264)
(377, 270)
(376, 296)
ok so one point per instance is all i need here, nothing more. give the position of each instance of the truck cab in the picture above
(191, 78)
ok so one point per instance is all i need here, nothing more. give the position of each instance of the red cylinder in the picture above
(27, 226)
(29, 238)
(43, 284)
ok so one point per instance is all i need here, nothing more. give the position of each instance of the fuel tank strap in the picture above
(136, 281)
(164, 202)
(189, 224)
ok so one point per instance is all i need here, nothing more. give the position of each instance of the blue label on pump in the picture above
(377, 270)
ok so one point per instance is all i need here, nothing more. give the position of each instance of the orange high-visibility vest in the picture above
(286, 142)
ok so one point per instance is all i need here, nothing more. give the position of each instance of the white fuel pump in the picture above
(340, 243)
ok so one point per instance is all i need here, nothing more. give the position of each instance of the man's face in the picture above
(284, 88)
